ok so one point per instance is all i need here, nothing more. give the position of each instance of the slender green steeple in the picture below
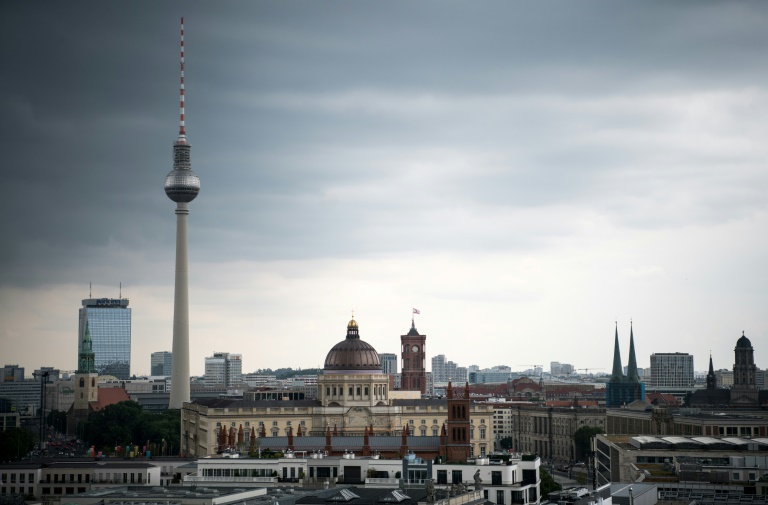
(632, 365)
(86, 358)
(617, 375)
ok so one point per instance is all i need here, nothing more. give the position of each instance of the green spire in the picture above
(87, 358)
(617, 375)
(632, 365)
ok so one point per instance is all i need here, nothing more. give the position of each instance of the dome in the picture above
(743, 341)
(352, 354)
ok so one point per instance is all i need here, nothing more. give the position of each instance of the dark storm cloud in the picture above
(331, 129)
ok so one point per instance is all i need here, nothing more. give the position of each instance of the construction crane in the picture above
(588, 369)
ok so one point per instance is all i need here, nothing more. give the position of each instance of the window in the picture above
(351, 390)
(366, 390)
(434, 421)
(496, 478)
(274, 423)
(482, 433)
(500, 497)
(247, 424)
(287, 423)
(303, 423)
(423, 421)
(358, 390)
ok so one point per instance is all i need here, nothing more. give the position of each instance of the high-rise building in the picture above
(414, 367)
(672, 370)
(109, 322)
(224, 368)
(182, 186)
(444, 371)
(12, 373)
(388, 362)
(161, 363)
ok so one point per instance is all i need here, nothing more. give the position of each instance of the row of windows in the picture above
(23, 477)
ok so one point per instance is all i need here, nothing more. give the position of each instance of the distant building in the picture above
(12, 373)
(161, 363)
(388, 362)
(224, 368)
(109, 320)
(672, 370)
(444, 370)
(624, 389)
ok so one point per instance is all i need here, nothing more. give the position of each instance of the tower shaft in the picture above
(180, 359)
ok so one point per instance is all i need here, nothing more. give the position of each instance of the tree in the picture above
(506, 443)
(548, 484)
(126, 423)
(582, 440)
(15, 443)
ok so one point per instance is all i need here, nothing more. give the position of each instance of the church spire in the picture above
(711, 377)
(632, 365)
(87, 358)
(617, 375)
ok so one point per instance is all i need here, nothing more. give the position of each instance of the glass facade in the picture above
(109, 321)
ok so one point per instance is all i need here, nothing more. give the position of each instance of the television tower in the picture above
(182, 186)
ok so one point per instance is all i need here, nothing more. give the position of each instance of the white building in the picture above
(672, 370)
(224, 368)
(444, 371)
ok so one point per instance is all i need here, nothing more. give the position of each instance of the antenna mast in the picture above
(182, 129)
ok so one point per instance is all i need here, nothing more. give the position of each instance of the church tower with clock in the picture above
(414, 372)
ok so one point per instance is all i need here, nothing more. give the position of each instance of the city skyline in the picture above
(523, 175)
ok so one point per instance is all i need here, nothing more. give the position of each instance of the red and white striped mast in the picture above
(182, 130)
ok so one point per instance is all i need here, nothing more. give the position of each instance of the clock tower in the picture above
(414, 376)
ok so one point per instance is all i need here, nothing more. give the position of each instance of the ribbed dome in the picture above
(743, 341)
(352, 353)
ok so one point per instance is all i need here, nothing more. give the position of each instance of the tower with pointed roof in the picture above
(414, 357)
(711, 377)
(624, 389)
(85, 382)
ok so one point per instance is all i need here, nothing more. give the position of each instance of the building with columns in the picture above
(354, 401)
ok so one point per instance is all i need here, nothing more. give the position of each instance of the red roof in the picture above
(109, 396)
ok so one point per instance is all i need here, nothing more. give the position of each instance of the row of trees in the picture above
(125, 423)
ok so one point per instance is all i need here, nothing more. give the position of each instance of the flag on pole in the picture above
(416, 311)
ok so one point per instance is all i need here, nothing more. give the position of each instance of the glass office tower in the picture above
(109, 321)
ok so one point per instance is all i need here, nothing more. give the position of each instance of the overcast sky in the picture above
(524, 173)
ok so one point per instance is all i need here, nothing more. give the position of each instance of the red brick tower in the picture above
(458, 445)
(414, 376)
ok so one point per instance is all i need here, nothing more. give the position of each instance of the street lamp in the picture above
(631, 499)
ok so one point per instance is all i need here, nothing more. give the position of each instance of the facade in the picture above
(672, 370)
(52, 482)
(22, 397)
(379, 480)
(224, 368)
(546, 431)
(414, 373)
(109, 323)
(624, 389)
(690, 461)
(353, 401)
(161, 363)
(388, 362)
(662, 422)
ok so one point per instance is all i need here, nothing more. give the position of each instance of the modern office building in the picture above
(388, 362)
(161, 363)
(224, 368)
(109, 321)
(672, 370)
(12, 373)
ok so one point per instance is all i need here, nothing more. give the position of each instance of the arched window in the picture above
(82, 382)
(93, 382)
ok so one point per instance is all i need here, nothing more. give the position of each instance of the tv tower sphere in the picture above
(181, 184)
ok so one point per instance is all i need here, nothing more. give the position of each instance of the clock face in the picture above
(415, 348)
